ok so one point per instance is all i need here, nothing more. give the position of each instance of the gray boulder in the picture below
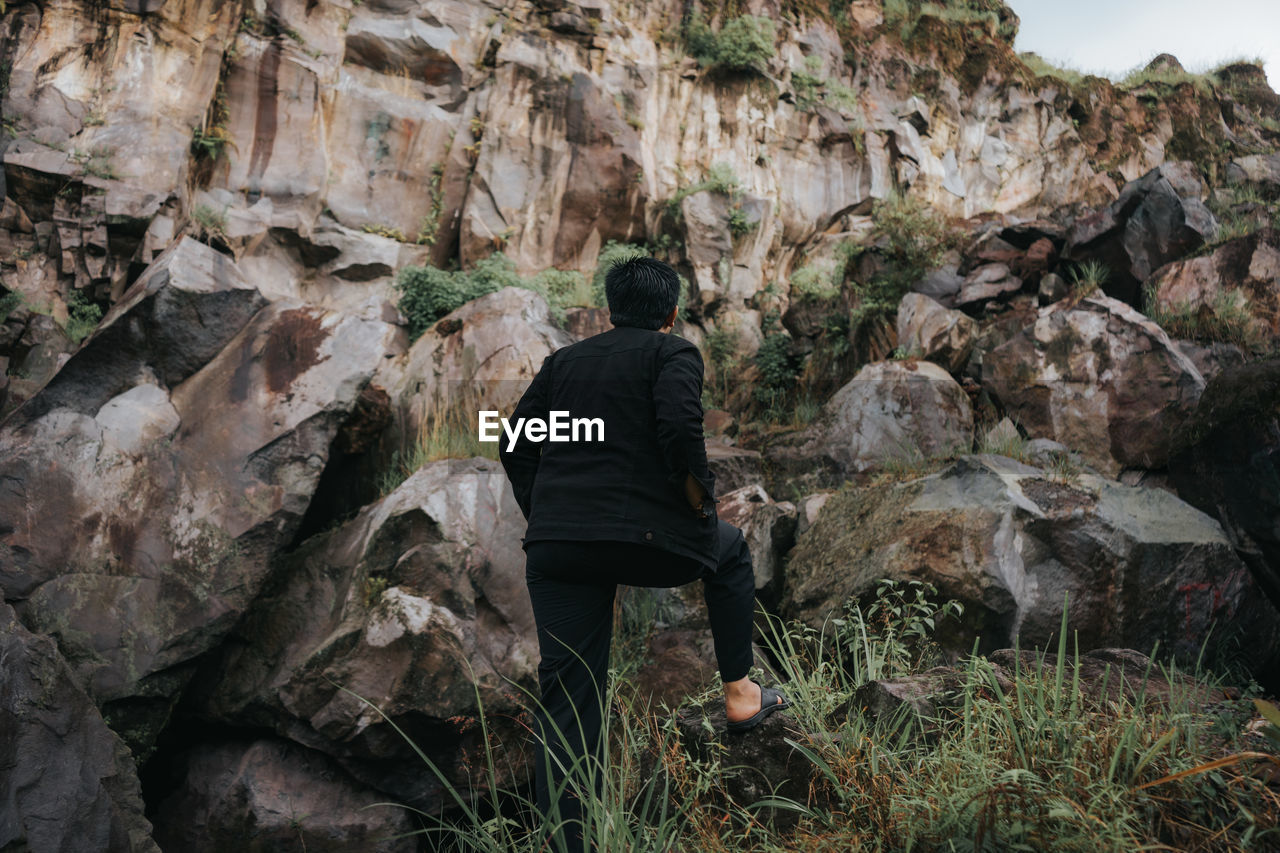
(147, 501)
(889, 411)
(1136, 566)
(930, 331)
(1098, 377)
(417, 606)
(67, 782)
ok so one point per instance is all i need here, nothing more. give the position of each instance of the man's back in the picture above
(643, 388)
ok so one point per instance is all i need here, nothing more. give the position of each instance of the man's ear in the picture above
(671, 318)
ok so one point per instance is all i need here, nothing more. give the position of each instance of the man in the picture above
(635, 508)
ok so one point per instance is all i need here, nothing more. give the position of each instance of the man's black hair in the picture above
(641, 291)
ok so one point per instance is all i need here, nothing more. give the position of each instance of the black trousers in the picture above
(572, 586)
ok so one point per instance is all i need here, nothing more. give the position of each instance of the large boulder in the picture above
(1232, 292)
(890, 410)
(266, 795)
(1157, 218)
(144, 505)
(416, 607)
(67, 782)
(930, 331)
(176, 316)
(1228, 463)
(1098, 377)
(1136, 566)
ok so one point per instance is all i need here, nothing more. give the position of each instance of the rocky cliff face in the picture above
(205, 207)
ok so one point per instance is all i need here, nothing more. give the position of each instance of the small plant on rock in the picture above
(212, 222)
(1087, 277)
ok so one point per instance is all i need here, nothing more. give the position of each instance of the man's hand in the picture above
(694, 494)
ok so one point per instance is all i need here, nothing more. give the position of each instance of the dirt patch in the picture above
(1057, 499)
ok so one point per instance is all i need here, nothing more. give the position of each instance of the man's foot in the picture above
(742, 700)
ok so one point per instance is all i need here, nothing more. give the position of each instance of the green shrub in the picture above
(739, 224)
(429, 293)
(612, 253)
(9, 303)
(915, 240)
(429, 226)
(210, 143)
(720, 348)
(743, 44)
(84, 315)
(811, 282)
(778, 369)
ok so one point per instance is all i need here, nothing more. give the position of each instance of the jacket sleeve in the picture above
(677, 398)
(521, 462)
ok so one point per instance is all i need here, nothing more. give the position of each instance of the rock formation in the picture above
(219, 499)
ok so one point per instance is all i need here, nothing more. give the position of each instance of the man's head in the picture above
(641, 292)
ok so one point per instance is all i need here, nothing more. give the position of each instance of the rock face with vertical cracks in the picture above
(559, 153)
(143, 505)
(416, 605)
(66, 780)
(1098, 377)
(1136, 566)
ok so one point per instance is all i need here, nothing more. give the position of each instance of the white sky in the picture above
(1110, 38)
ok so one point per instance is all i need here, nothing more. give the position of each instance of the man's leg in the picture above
(730, 597)
(575, 625)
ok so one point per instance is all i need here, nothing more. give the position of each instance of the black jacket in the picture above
(646, 387)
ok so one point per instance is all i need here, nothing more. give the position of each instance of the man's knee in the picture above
(735, 554)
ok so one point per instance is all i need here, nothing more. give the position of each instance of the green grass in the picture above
(212, 221)
(1203, 81)
(1087, 277)
(1013, 446)
(444, 432)
(1225, 318)
(1020, 760)
(1041, 67)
